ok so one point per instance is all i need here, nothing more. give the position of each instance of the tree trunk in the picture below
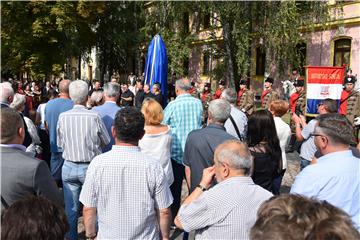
(228, 53)
(79, 68)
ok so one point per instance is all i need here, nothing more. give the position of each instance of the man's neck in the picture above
(110, 99)
(64, 96)
(126, 144)
(333, 149)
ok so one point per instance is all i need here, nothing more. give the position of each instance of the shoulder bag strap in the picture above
(236, 128)
(3, 202)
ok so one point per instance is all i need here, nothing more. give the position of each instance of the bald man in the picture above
(52, 111)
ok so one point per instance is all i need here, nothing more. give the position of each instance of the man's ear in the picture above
(21, 133)
(10, 99)
(113, 132)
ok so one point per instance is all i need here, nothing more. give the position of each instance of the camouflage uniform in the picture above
(205, 102)
(269, 97)
(246, 102)
(300, 108)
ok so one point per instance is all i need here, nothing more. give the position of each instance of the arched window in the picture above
(342, 48)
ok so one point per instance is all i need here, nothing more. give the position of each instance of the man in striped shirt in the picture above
(183, 115)
(228, 210)
(80, 134)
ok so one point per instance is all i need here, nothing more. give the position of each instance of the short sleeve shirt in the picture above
(126, 187)
(308, 148)
(53, 109)
(226, 211)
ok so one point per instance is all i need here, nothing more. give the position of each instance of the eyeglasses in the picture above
(317, 135)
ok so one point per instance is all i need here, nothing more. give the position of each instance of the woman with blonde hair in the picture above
(157, 139)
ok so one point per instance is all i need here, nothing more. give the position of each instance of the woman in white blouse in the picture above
(278, 108)
(156, 142)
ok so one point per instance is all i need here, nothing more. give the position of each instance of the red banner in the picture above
(325, 75)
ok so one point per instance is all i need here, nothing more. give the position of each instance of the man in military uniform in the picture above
(268, 95)
(245, 99)
(350, 102)
(205, 100)
(297, 105)
(218, 91)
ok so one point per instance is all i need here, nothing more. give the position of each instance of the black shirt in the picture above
(127, 94)
(139, 98)
(159, 98)
(200, 147)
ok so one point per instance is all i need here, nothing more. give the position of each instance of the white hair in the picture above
(18, 102)
(219, 109)
(183, 84)
(78, 91)
(96, 96)
(239, 158)
(111, 89)
(229, 95)
(6, 91)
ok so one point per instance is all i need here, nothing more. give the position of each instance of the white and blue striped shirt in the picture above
(80, 134)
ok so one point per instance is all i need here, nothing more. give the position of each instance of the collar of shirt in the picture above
(218, 126)
(184, 95)
(77, 106)
(110, 102)
(239, 179)
(4, 103)
(334, 156)
(16, 146)
(126, 148)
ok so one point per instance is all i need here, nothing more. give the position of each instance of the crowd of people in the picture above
(120, 154)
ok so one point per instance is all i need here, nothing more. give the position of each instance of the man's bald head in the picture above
(235, 154)
(11, 121)
(64, 86)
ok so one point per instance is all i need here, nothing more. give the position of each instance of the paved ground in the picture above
(290, 174)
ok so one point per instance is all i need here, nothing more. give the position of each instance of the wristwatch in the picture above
(201, 187)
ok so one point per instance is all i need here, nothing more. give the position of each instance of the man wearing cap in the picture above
(218, 92)
(245, 99)
(268, 95)
(350, 100)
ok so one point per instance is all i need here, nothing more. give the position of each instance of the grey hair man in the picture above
(80, 134)
(109, 109)
(236, 125)
(6, 98)
(21, 174)
(183, 115)
(227, 210)
(337, 171)
(201, 144)
(6, 94)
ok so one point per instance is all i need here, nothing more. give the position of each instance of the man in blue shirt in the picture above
(53, 109)
(336, 175)
(109, 109)
(183, 115)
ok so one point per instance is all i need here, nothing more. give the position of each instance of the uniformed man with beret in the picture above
(268, 95)
(245, 99)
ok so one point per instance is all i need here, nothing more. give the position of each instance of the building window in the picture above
(206, 63)
(260, 61)
(342, 48)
